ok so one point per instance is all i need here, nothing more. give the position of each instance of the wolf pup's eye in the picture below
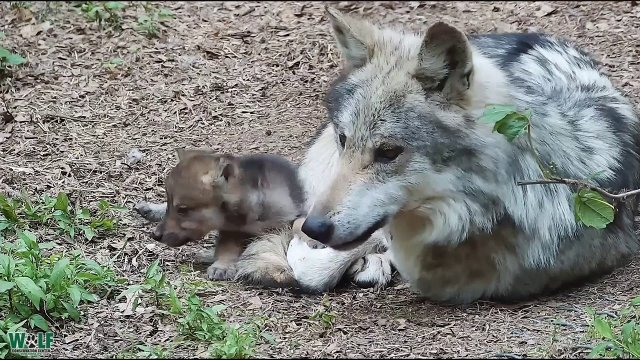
(343, 139)
(387, 154)
(183, 210)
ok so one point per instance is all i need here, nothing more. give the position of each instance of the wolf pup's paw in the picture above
(222, 271)
(151, 211)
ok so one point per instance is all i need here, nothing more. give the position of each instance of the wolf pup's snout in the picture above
(318, 228)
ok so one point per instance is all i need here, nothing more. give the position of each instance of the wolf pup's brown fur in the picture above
(241, 197)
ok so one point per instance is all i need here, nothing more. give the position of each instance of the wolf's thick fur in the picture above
(460, 227)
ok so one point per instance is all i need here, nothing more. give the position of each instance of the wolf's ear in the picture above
(355, 37)
(444, 61)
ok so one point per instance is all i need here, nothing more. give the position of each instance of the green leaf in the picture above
(511, 126)
(89, 296)
(88, 232)
(599, 350)
(73, 312)
(30, 290)
(29, 239)
(592, 210)
(14, 59)
(39, 321)
(113, 5)
(75, 294)
(62, 202)
(130, 290)
(494, 113)
(16, 326)
(83, 214)
(2, 36)
(602, 328)
(6, 286)
(4, 225)
(7, 209)
(627, 332)
(635, 301)
(58, 271)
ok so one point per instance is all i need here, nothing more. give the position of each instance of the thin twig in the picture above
(67, 117)
(555, 180)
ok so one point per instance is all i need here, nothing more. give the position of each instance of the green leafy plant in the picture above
(103, 12)
(618, 337)
(39, 288)
(20, 4)
(324, 315)
(22, 213)
(195, 322)
(149, 24)
(8, 326)
(590, 206)
(8, 58)
(114, 63)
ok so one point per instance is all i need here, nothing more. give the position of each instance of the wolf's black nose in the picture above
(318, 228)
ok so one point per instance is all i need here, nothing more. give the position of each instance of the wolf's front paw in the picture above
(222, 271)
(151, 211)
(372, 270)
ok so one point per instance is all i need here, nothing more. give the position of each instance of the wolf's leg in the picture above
(151, 211)
(264, 262)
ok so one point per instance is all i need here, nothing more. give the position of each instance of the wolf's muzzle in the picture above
(318, 228)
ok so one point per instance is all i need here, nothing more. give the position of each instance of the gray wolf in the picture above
(241, 197)
(403, 174)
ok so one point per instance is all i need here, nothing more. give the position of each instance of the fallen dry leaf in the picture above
(545, 10)
(30, 31)
(23, 14)
(255, 302)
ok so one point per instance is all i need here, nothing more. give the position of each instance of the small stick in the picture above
(579, 183)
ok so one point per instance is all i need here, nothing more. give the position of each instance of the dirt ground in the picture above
(250, 77)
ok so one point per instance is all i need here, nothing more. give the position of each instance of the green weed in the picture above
(8, 326)
(9, 58)
(324, 315)
(39, 288)
(619, 336)
(21, 213)
(103, 13)
(195, 322)
(149, 24)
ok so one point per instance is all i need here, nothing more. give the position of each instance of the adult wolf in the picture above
(403, 157)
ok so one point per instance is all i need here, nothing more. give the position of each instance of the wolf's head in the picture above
(400, 117)
(204, 193)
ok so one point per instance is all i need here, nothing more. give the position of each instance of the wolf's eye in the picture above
(182, 210)
(387, 154)
(343, 139)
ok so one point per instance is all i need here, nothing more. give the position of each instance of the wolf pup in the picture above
(241, 197)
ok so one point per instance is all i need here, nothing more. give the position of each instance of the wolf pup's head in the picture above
(203, 194)
(399, 121)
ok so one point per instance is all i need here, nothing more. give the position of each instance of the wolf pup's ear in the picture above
(184, 154)
(444, 61)
(355, 37)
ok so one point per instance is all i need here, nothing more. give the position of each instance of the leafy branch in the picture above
(590, 206)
